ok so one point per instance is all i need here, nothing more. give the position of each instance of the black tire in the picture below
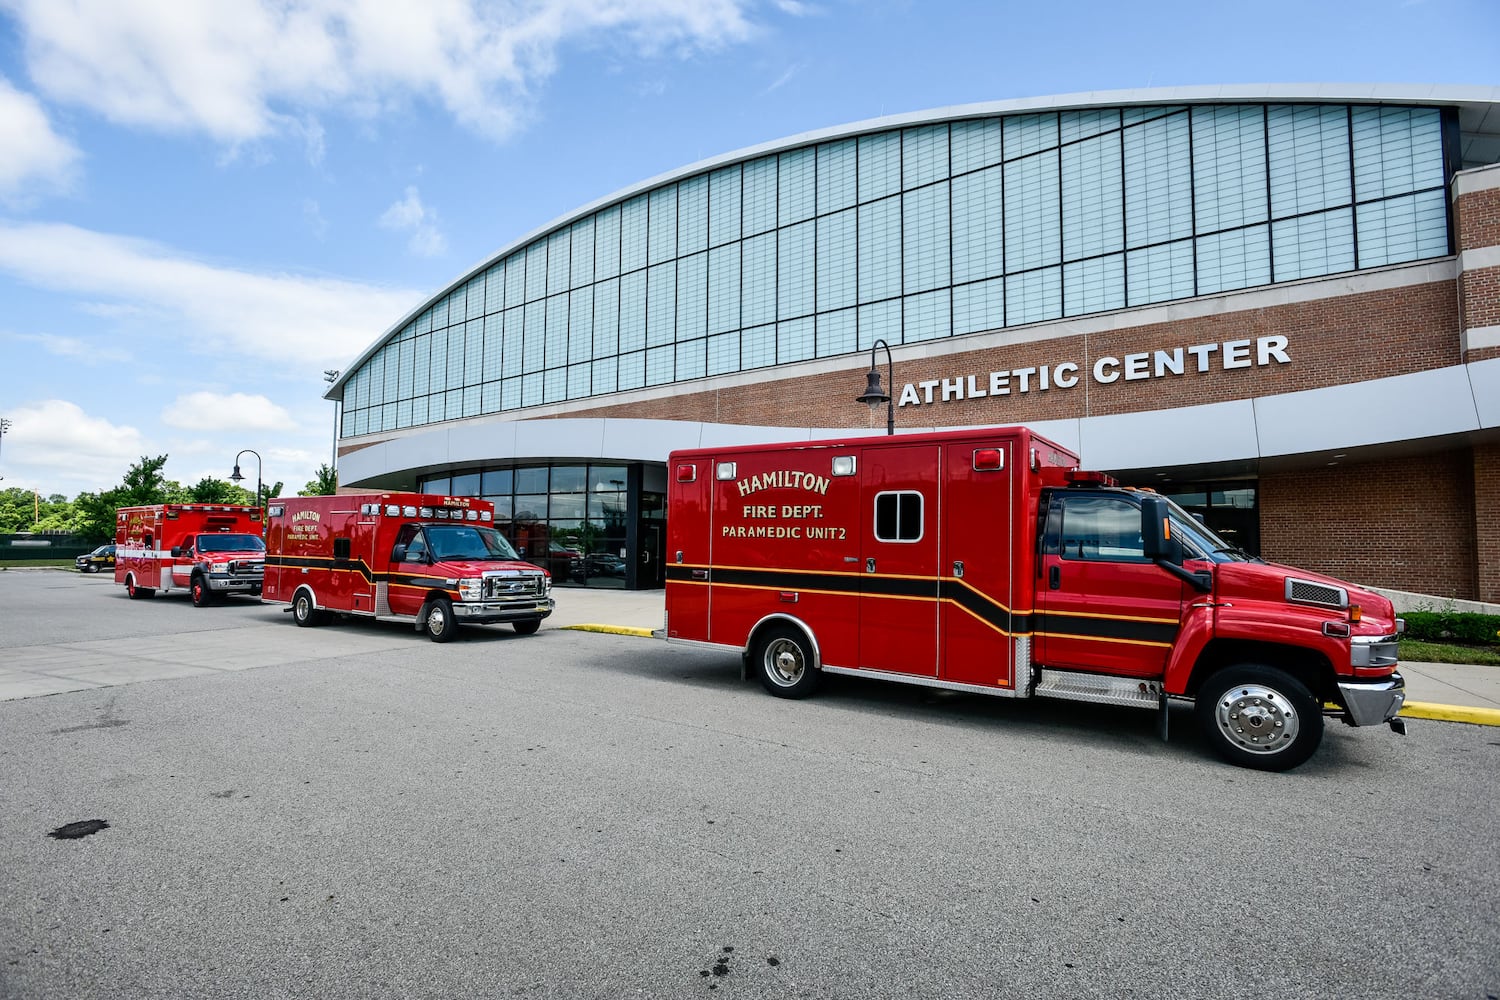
(527, 627)
(440, 624)
(1259, 717)
(138, 593)
(783, 659)
(202, 595)
(304, 612)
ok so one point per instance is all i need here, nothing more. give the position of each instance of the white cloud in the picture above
(32, 155)
(212, 411)
(296, 319)
(410, 215)
(55, 441)
(75, 349)
(241, 70)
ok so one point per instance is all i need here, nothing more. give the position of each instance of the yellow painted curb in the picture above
(613, 629)
(1451, 713)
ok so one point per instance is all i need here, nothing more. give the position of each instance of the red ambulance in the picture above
(431, 561)
(209, 550)
(984, 561)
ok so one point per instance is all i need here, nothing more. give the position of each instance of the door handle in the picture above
(1054, 577)
(869, 565)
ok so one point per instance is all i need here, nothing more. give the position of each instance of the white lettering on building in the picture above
(1145, 365)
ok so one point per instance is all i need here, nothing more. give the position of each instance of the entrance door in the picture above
(1103, 606)
(898, 607)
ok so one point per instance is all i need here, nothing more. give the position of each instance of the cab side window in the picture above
(416, 543)
(1104, 529)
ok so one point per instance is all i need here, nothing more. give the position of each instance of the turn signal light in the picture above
(1355, 613)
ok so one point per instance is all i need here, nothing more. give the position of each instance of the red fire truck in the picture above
(209, 550)
(432, 561)
(985, 561)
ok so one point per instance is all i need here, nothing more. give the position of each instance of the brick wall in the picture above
(1406, 524)
(1479, 219)
(1487, 520)
(1331, 341)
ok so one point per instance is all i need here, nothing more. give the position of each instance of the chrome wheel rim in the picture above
(784, 662)
(1257, 719)
(437, 622)
(302, 608)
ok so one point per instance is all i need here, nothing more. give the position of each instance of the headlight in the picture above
(546, 584)
(471, 589)
(222, 567)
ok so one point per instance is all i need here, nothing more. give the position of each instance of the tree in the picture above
(143, 483)
(325, 484)
(210, 490)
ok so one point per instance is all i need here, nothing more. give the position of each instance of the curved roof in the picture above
(1478, 115)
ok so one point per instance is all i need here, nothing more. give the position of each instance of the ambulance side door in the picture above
(898, 605)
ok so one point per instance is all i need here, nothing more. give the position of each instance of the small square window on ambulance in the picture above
(484, 515)
(988, 459)
(408, 512)
(277, 510)
(724, 471)
(425, 512)
(392, 510)
(843, 465)
(472, 515)
(442, 513)
(687, 473)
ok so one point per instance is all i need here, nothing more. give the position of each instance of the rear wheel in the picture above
(527, 628)
(784, 660)
(137, 593)
(441, 626)
(1260, 717)
(304, 612)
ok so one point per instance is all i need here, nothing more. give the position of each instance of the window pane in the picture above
(633, 311)
(837, 259)
(758, 347)
(1313, 244)
(1092, 198)
(795, 270)
(1031, 213)
(661, 304)
(978, 226)
(531, 480)
(1033, 297)
(797, 186)
(978, 307)
(1094, 285)
(760, 195)
(606, 318)
(536, 271)
(1101, 528)
(691, 359)
(692, 297)
(1396, 150)
(724, 288)
(633, 234)
(1240, 258)
(759, 280)
(663, 224)
(582, 256)
(559, 261)
(724, 353)
(580, 325)
(879, 165)
(466, 485)
(975, 144)
(1402, 229)
(1158, 181)
(692, 215)
(1229, 167)
(836, 333)
(926, 249)
(724, 205)
(497, 481)
(836, 189)
(924, 155)
(1308, 153)
(606, 245)
(794, 340)
(926, 316)
(880, 250)
(1158, 273)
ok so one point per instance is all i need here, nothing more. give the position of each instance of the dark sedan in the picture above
(92, 562)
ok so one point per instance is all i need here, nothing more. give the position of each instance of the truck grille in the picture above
(499, 587)
(243, 570)
(1321, 594)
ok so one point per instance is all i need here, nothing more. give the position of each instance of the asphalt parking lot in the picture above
(354, 811)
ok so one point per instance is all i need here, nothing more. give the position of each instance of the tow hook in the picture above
(1398, 726)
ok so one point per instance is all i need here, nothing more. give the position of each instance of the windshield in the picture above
(468, 542)
(230, 543)
(1200, 542)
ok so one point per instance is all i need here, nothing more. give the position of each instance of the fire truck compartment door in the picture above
(1104, 607)
(979, 541)
(898, 607)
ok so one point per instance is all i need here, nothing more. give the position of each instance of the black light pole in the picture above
(331, 375)
(236, 477)
(4, 426)
(874, 394)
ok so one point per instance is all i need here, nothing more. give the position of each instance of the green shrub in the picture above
(1447, 625)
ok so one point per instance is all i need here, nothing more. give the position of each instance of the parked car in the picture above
(604, 564)
(562, 562)
(101, 558)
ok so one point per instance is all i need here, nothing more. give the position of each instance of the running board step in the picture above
(1102, 689)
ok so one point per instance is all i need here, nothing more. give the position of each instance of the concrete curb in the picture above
(1451, 713)
(612, 629)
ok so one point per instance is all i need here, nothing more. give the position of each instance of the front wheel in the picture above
(1260, 717)
(304, 611)
(527, 628)
(202, 596)
(441, 626)
(784, 660)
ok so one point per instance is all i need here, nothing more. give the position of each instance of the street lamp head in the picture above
(330, 374)
(235, 475)
(874, 394)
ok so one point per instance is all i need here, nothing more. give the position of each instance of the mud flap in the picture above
(1163, 714)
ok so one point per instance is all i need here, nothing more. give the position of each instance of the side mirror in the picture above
(398, 554)
(176, 551)
(1156, 531)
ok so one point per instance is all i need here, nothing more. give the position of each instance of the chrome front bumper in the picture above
(503, 611)
(1372, 703)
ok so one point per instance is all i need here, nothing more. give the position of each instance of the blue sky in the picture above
(205, 205)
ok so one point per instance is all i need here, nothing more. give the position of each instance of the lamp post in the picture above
(236, 477)
(874, 394)
(331, 375)
(4, 426)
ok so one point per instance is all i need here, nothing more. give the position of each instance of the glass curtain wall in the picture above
(568, 518)
(915, 234)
